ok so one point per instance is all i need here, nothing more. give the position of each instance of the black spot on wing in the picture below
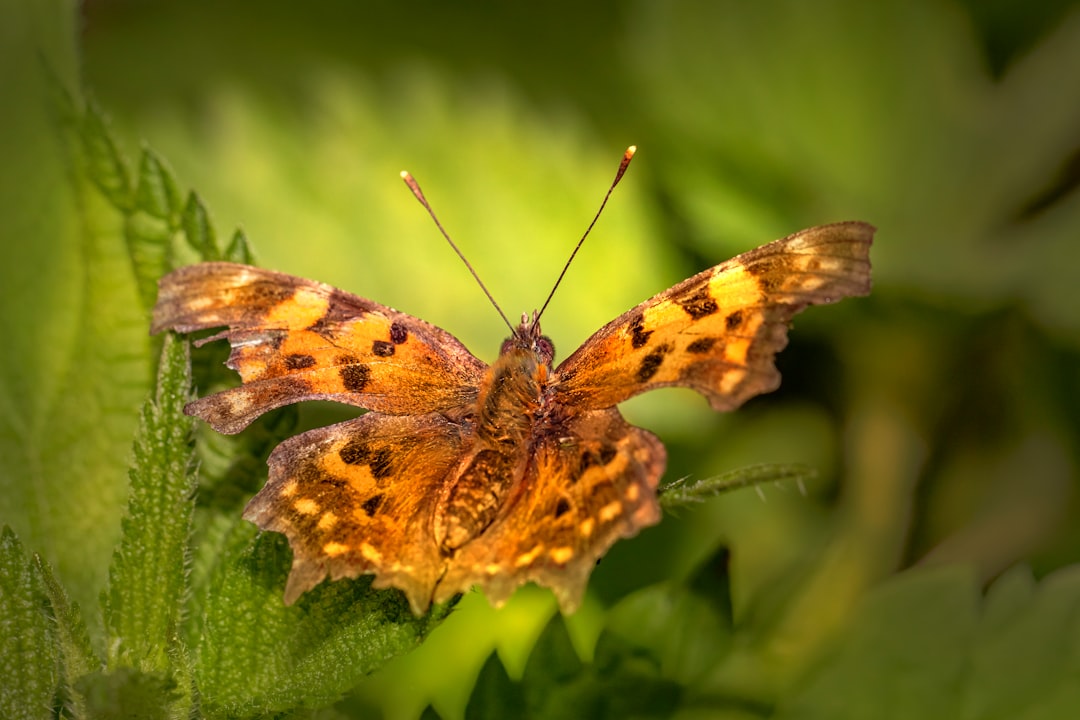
(298, 361)
(594, 457)
(341, 308)
(357, 452)
(701, 345)
(371, 505)
(598, 457)
(354, 374)
(698, 305)
(733, 321)
(562, 507)
(355, 377)
(398, 333)
(651, 363)
(381, 348)
(639, 336)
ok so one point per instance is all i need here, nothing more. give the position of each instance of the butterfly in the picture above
(465, 474)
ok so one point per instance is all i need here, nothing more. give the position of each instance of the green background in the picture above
(942, 413)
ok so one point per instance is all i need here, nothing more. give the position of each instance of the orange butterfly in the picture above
(466, 474)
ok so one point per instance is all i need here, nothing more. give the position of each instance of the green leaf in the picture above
(157, 194)
(922, 645)
(678, 627)
(494, 695)
(150, 227)
(682, 491)
(257, 654)
(430, 714)
(622, 681)
(106, 168)
(553, 660)
(77, 656)
(239, 250)
(1026, 659)
(628, 682)
(28, 656)
(903, 655)
(126, 693)
(147, 578)
(197, 229)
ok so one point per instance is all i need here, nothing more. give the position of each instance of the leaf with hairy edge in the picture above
(150, 227)
(198, 230)
(682, 491)
(148, 573)
(27, 650)
(77, 656)
(258, 655)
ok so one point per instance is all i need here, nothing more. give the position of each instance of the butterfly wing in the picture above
(358, 497)
(294, 339)
(588, 483)
(718, 332)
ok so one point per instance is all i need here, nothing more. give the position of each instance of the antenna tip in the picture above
(630, 151)
(405, 175)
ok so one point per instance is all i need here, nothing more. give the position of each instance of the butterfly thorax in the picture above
(508, 406)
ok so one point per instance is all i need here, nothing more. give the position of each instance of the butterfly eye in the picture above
(545, 349)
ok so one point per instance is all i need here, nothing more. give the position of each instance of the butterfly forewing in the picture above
(719, 331)
(294, 339)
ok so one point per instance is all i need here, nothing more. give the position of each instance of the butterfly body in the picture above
(464, 474)
(504, 423)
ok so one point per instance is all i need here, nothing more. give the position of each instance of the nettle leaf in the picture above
(28, 654)
(149, 229)
(77, 656)
(257, 655)
(147, 577)
(239, 250)
(128, 693)
(157, 193)
(198, 230)
(106, 168)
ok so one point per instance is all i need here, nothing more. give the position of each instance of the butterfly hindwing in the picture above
(294, 339)
(587, 485)
(358, 497)
(718, 331)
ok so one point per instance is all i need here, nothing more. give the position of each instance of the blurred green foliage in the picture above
(929, 565)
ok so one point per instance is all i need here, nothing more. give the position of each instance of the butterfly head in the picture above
(527, 336)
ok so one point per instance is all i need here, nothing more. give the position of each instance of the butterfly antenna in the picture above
(627, 157)
(415, 187)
